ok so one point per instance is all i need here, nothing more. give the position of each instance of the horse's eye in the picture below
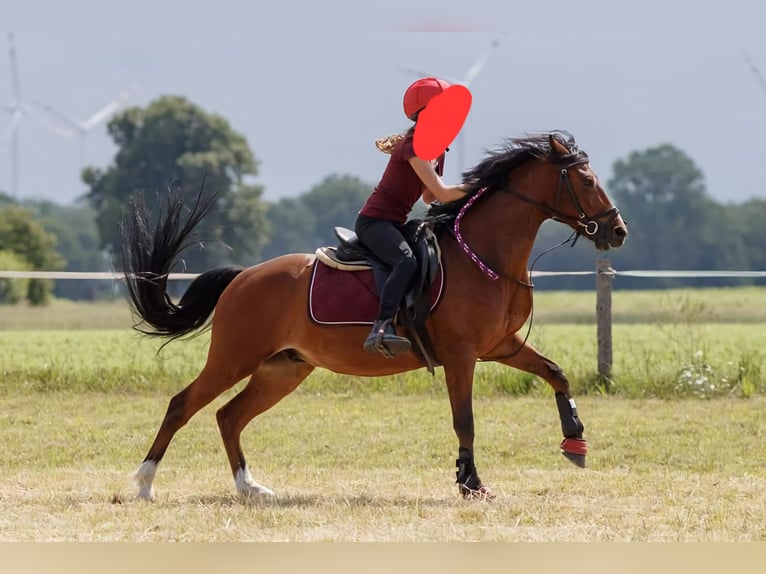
(589, 181)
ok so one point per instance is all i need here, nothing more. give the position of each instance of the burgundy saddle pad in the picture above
(339, 297)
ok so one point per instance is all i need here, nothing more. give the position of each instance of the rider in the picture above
(379, 223)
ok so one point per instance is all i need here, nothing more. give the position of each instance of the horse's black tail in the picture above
(147, 258)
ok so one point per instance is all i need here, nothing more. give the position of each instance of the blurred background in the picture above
(280, 104)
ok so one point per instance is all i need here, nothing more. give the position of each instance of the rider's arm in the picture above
(428, 197)
(434, 183)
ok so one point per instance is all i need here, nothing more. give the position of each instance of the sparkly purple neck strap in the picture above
(475, 258)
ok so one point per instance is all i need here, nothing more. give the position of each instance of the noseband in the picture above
(587, 224)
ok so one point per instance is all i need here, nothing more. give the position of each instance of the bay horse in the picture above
(260, 327)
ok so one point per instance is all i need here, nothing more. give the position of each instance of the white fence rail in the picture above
(79, 275)
(101, 275)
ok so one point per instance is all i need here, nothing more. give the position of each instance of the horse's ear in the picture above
(556, 146)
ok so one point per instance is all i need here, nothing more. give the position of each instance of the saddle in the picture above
(350, 254)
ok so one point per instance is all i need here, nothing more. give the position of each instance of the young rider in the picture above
(379, 223)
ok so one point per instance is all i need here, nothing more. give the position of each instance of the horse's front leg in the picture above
(458, 373)
(528, 359)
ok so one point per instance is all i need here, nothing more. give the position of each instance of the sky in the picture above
(311, 85)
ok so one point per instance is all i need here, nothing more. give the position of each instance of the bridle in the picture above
(588, 224)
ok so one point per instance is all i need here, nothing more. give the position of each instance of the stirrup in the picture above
(387, 344)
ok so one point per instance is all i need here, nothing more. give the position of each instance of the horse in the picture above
(260, 328)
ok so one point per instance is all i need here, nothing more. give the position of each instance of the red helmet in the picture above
(420, 93)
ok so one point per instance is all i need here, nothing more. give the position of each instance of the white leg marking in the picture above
(144, 476)
(246, 486)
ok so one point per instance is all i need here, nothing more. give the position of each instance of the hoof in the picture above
(254, 494)
(247, 488)
(575, 449)
(144, 477)
(481, 493)
(147, 496)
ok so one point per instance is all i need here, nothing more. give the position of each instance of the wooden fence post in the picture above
(604, 274)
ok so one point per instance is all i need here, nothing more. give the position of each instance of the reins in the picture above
(486, 269)
(588, 225)
(573, 239)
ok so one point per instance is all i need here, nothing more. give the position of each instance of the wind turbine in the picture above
(83, 127)
(755, 71)
(18, 108)
(470, 76)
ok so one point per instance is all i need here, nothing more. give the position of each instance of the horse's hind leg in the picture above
(528, 359)
(205, 388)
(273, 381)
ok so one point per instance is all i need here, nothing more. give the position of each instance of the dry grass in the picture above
(380, 468)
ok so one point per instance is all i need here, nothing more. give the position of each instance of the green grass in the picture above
(649, 361)
(715, 305)
(702, 343)
(64, 314)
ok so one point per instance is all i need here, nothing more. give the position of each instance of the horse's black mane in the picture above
(493, 170)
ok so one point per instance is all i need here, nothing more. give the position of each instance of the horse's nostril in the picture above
(620, 231)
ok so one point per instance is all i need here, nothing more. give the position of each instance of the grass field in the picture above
(379, 467)
(712, 305)
(698, 360)
(677, 446)
(688, 343)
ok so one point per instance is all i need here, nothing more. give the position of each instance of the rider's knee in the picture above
(408, 263)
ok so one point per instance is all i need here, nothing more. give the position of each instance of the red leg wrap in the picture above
(574, 446)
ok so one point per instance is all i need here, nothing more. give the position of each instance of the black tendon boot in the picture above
(384, 340)
(468, 481)
(573, 447)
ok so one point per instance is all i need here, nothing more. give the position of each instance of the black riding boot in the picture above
(384, 340)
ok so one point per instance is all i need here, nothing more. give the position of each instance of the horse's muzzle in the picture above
(613, 235)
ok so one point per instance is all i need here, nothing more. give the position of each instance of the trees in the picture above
(748, 219)
(13, 291)
(24, 241)
(302, 224)
(6, 199)
(292, 225)
(673, 222)
(335, 201)
(659, 191)
(173, 143)
(77, 241)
